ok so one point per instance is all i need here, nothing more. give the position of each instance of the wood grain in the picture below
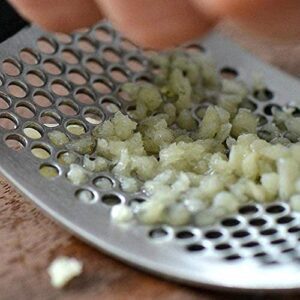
(29, 240)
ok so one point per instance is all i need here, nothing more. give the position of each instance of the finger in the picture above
(277, 19)
(157, 23)
(59, 15)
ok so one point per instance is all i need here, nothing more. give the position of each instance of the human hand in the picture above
(165, 23)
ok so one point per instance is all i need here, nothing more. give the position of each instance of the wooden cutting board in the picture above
(29, 241)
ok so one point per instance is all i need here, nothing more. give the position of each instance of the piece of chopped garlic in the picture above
(121, 213)
(63, 269)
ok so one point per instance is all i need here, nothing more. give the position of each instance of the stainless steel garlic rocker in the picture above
(256, 249)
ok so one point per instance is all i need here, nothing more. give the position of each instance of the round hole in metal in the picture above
(250, 244)
(294, 229)
(275, 209)
(103, 183)
(48, 171)
(8, 121)
(82, 30)
(288, 250)
(201, 110)
(278, 241)
(229, 72)
(262, 120)
(248, 210)
(109, 105)
(111, 199)
(111, 55)
(60, 88)
(85, 196)
(35, 78)
(93, 116)
(25, 110)
(269, 109)
(102, 86)
(260, 254)
(296, 111)
(184, 234)
(70, 57)
(265, 135)
(263, 94)
(41, 151)
(195, 247)
(68, 107)
(76, 77)
(5, 101)
(86, 45)
(15, 142)
(135, 64)
(269, 231)
(213, 234)
(11, 67)
(248, 104)
(257, 222)
(149, 53)
(29, 56)
(33, 131)
(194, 48)
(240, 234)
(76, 127)
(230, 222)
(158, 233)
(290, 136)
(42, 98)
(130, 111)
(124, 96)
(63, 38)
(50, 119)
(136, 201)
(223, 246)
(142, 78)
(157, 71)
(127, 45)
(46, 45)
(285, 220)
(17, 89)
(94, 66)
(84, 96)
(117, 74)
(52, 66)
(232, 257)
(103, 34)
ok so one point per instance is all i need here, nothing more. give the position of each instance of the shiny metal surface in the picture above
(258, 249)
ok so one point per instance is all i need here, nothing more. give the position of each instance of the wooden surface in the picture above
(29, 240)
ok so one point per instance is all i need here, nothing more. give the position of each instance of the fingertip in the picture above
(222, 8)
(165, 40)
(59, 15)
(277, 21)
(155, 23)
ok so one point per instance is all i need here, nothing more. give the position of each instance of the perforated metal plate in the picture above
(57, 81)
